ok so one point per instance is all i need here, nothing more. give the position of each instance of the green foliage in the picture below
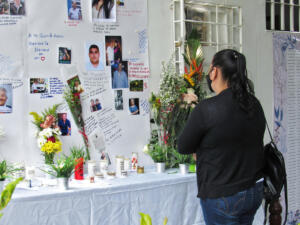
(6, 170)
(146, 219)
(7, 194)
(77, 152)
(181, 159)
(158, 153)
(64, 167)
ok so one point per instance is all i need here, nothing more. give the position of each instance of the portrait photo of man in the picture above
(95, 58)
(17, 7)
(119, 76)
(74, 12)
(5, 98)
(64, 124)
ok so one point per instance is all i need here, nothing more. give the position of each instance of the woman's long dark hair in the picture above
(234, 71)
(107, 6)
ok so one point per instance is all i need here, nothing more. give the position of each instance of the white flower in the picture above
(46, 132)
(146, 149)
(56, 131)
(41, 141)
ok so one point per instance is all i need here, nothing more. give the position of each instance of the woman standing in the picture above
(226, 133)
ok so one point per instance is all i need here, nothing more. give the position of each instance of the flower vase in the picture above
(47, 169)
(184, 169)
(192, 168)
(63, 183)
(78, 173)
(49, 158)
(160, 167)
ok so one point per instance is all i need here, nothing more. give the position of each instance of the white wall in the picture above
(257, 45)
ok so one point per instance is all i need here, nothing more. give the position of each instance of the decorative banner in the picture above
(286, 53)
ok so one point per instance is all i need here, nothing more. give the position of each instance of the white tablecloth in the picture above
(111, 202)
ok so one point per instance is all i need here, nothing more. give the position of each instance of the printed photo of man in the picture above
(17, 7)
(120, 78)
(6, 98)
(94, 63)
(74, 11)
(64, 124)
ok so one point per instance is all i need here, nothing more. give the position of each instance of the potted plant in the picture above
(183, 161)
(5, 172)
(159, 155)
(62, 170)
(78, 155)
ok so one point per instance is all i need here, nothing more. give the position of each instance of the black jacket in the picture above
(228, 144)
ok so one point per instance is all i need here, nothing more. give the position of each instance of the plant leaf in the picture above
(8, 192)
(145, 219)
(165, 221)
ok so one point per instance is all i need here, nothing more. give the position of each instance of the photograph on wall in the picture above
(119, 75)
(4, 7)
(6, 98)
(104, 10)
(120, 2)
(94, 57)
(113, 49)
(17, 7)
(95, 105)
(64, 55)
(64, 124)
(134, 107)
(136, 85)
(74, 10)
(38, 85)
(119, 100)
(75, 85)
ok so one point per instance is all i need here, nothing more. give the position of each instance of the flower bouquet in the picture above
(47, 134)
(177, 97)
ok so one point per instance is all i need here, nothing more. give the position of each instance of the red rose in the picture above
(52, 139)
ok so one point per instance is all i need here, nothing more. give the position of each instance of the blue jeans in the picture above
(238, 209)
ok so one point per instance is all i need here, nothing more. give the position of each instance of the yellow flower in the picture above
(189, 79)
(50, 147)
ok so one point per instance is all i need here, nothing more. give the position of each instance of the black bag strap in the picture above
(285, 186)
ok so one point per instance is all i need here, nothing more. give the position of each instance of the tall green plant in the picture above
(7, 194)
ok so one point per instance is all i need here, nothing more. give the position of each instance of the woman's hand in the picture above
(195, 156)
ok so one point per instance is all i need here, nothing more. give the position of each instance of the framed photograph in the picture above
(74, 10)
(38, 85)
(6, 99)
(17, 7)
(119, 100)
(94, 56)
(113, 50)
(134, 107)
(64, 124)
(104, 11)
(4, 7)
(119, 75)
(64, 55)
(136, 85)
